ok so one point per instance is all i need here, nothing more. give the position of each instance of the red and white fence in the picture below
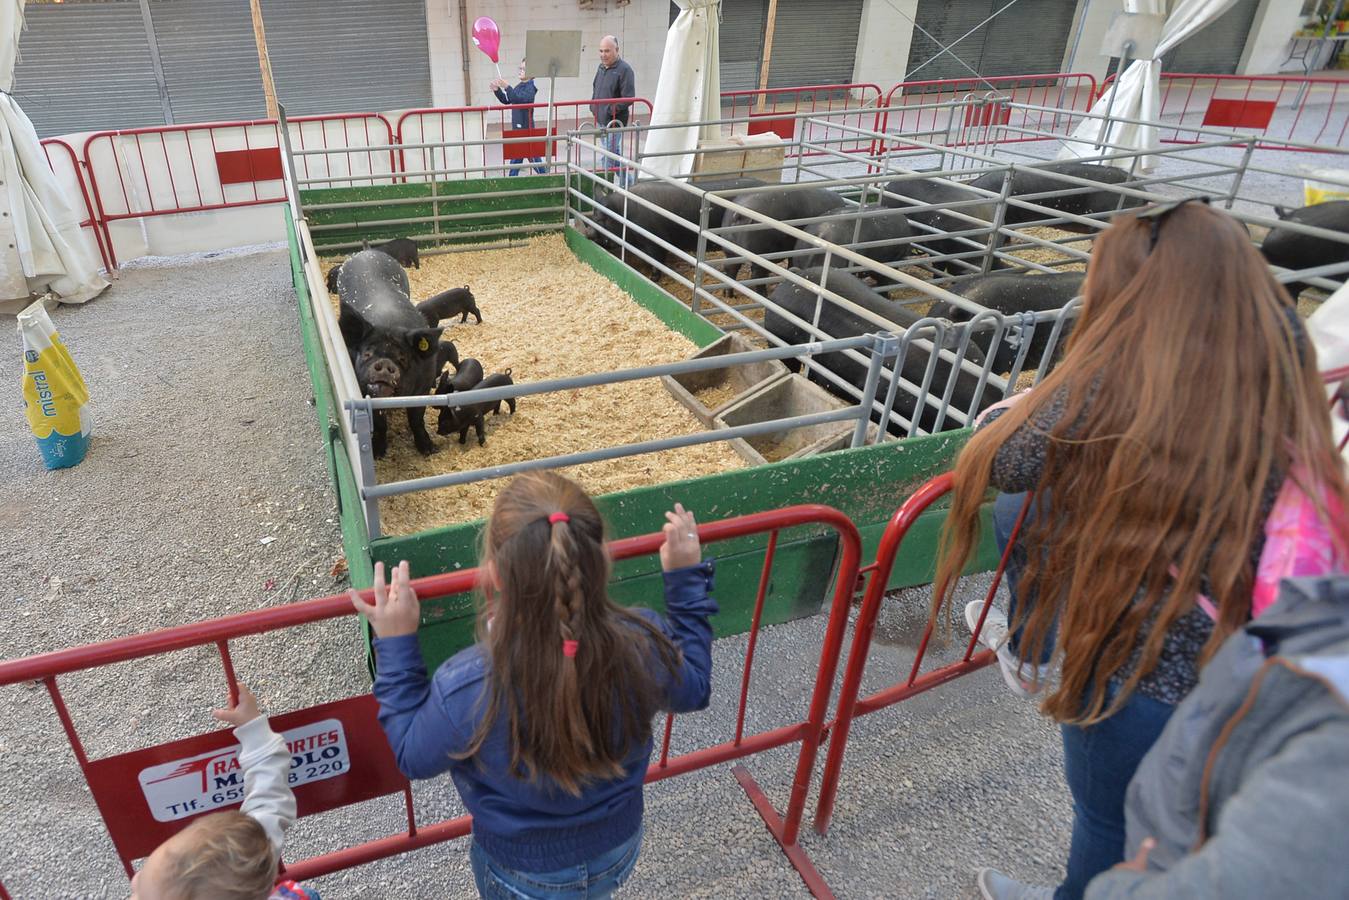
(140, 174)
(1280, 109)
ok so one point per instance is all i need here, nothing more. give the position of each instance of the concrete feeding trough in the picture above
(780, 399)
(710, 392)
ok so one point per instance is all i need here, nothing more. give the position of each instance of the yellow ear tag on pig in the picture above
(422, 345)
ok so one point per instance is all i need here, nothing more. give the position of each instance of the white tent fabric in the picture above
(689, 89)
(1137, 93)
(53, 251)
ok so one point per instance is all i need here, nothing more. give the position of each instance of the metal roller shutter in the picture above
(348, 55)
(1027, 37)
(86, 67)
(1217, 49)
(741, 48)
(814, 43)
(209, 80)
(947, 22)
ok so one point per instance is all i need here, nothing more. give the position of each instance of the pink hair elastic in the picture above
(569, 648)
(554, 518)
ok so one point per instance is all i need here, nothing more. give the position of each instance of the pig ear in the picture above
(353, 325)
(1281, 212)
(425, 341)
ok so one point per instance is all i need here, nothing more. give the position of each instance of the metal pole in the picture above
(160, 84)
(886, 344)
(1104, 136)
(700, 254)
(361, 419)
(999, 216)
(1241, 173)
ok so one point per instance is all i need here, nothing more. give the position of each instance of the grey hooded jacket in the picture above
(1246, 792)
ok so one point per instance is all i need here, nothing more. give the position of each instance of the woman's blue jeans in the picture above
(1099, 760)
(597, 877)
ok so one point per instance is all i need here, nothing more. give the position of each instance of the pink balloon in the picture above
(487, 37)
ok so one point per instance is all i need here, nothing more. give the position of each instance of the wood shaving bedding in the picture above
(546, 315)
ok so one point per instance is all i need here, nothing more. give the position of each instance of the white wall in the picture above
(883, 41)
(640, 28)
(1267, 48)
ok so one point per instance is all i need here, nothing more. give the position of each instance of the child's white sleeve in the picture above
(266, 763)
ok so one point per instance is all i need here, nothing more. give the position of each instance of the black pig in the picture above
(332, 278)
(1303, 251)
(402, 249)
(839, 323)
(680, 232)
(461, 418)
(456, 301)
(880, 225)
(1010, 294)
(782, 205)
(1036, 181)
(934, 191)
(394, 345)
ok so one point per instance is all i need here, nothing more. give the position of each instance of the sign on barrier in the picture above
(338, 757)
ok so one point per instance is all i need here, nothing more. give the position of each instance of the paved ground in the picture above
(206, 443)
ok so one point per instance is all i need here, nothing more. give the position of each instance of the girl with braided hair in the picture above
(545, 723)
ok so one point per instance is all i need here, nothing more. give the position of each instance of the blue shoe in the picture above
(993, 885)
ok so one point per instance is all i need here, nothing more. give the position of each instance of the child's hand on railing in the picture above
(681, 547)
(242, 712)
(394, 613)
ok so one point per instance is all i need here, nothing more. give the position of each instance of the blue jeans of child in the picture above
(1098, 760)
(596, 877)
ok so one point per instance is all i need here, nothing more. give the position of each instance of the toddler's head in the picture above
(223, 856)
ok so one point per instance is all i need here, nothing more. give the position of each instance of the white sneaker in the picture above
(993, 885)
(1023, 678)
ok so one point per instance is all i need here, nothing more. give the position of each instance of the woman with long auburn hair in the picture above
(545, 722)
(1152, 456)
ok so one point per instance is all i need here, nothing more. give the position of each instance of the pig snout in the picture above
(381, 378)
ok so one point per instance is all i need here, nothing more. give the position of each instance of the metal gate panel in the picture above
(86, 67)
(210, 59)
(348, 55)
(811, 46)
(1217, 49)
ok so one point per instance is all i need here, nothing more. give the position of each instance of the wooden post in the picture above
(767, 49)
(264, 61)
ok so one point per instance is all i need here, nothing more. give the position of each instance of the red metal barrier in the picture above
(462, 136)
(354, 144)
(850, 706)
(90, 221)
(139, 812)
(170, 169)
(1070, 93)
(1278, 108)
(776, 107)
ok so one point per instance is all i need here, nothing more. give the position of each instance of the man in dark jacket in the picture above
(1244, 795)
(520, 96)
(613, 79)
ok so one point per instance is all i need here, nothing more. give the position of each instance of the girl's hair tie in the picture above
(569, 648)
(554, 518)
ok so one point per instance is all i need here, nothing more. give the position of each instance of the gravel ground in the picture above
(206, 443)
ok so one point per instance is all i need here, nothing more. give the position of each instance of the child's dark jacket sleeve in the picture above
(688, 607)
(413, 710)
